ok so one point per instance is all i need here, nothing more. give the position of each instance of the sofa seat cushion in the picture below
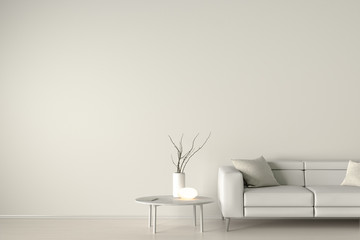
(282, 212)
(336, 196)
(278, 196)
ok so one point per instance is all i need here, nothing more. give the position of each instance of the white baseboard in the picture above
(94, 217)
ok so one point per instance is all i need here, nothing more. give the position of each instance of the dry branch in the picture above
(183, 159)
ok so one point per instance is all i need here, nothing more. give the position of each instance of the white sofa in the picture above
(309, 189)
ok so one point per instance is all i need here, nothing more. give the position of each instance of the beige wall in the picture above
(89, 91)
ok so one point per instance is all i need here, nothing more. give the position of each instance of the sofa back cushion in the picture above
(288, 172)
(309, 173)
(324, 172)
(289, 177)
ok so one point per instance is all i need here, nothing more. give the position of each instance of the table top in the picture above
(173, 201)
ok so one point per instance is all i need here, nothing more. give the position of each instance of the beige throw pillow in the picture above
(256, 172)
(352, 177)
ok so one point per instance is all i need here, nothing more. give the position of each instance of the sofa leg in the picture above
(227, 224)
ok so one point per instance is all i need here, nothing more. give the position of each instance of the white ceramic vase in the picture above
(178, 183)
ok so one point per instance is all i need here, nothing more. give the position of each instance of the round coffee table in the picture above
(169, 200)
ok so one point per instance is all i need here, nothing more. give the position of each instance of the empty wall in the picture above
(89, 91)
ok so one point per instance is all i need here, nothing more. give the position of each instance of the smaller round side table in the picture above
(169, 200)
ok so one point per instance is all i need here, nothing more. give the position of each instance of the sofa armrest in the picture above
(231, 192)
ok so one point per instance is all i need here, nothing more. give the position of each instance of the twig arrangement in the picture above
(184, 157)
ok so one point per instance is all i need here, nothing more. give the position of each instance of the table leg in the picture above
(154, 223)
(150, 215)
(194, 208)
(201, 218)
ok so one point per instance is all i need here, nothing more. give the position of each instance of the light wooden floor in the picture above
(169, 229)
